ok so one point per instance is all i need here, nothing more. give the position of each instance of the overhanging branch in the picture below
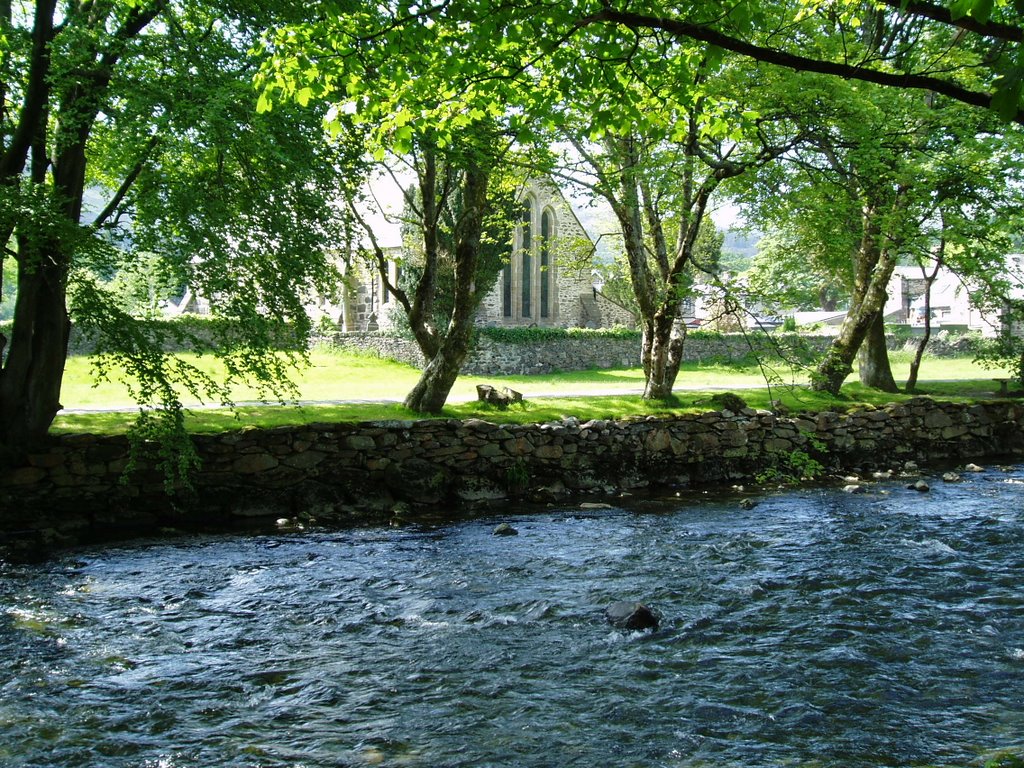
(774, 56)
(1009, 32)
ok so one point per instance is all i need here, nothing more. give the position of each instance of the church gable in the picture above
(550, 265)
(547, 282)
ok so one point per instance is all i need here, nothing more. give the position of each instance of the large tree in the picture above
(868, 187)
(132, 125)
(411, 84)
(660, 180)
(458, 215)
(852, 189)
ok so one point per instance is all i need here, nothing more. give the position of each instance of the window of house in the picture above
(506, 290)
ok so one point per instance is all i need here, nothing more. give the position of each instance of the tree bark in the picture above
(873, 362)
(662, 352)
(874, 265)
(430, 393)
(33, 372)
(837, 363)
(444, 361)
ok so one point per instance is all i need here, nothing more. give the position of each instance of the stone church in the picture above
(549, 281)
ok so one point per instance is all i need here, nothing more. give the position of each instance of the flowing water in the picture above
(818, 629)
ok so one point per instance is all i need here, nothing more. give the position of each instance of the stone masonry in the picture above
(345, 473)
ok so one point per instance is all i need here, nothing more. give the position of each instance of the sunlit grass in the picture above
(339, 376)
(338, 387)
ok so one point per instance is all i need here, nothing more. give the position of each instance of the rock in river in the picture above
(629, 615)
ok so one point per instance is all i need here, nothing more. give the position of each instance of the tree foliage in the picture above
(150, 104)
(131, 127)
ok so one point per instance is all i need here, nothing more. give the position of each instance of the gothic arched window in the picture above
(526, 251)
(546, 235)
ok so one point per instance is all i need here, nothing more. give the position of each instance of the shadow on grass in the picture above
(533, 410)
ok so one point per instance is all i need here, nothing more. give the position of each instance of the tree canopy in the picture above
(128, 127)
(887, 108)
(486, 53)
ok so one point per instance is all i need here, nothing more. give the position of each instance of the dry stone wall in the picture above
(345, 473)
(494, 358)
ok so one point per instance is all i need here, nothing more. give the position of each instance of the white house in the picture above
(950, 299)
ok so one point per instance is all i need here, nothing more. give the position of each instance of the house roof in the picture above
(383, 208)
(829, 318)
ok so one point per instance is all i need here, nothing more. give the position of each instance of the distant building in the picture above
(548, 281)
(950, 300)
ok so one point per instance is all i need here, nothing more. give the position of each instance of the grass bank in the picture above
(338, 386)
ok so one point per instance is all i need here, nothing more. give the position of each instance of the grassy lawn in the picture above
(341, 378)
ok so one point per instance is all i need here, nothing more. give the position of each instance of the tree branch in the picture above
(37, 93)
(774, 56)
(126, 185)
(1010, 32)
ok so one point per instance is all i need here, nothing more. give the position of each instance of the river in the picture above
(820, 628)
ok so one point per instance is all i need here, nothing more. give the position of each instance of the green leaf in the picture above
(1006, 101)
(960, 8)
(304, 95)
(982, 10)
(263, 103)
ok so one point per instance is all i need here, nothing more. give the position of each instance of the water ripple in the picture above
(822, 629)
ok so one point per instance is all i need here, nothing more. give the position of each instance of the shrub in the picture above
(534, 335)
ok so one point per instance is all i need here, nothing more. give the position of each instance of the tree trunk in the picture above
(32, 374)
(873, 360)
(435, 383)
(838, 361)
(443, 365)
(929, 281)
(662, 353)
(874, 265)
(915, 364)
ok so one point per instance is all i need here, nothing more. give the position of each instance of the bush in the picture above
(1006, 350)
(899, 331)
(535, 335)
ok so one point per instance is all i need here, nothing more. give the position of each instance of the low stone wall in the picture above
(344, 473)
(493, 358)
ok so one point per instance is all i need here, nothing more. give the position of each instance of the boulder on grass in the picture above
(501, 398)
(728, 401)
